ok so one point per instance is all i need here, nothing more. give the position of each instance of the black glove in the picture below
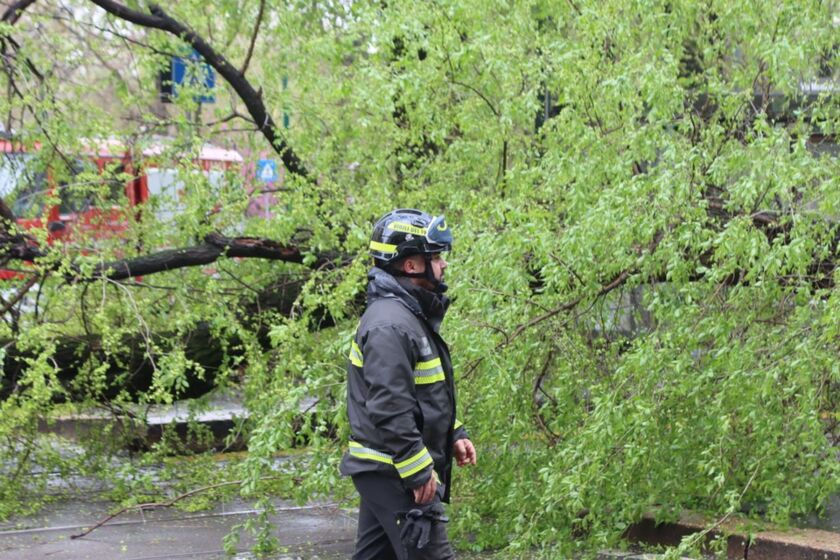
(416, 524)
(416, 528)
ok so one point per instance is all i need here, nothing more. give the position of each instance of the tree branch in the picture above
(159, 19)
(19, 295)
(214, 247)
(553, 438)
(13, 12)
(161, 505)
(11, 16)
(479, 94)
(605, 289)
(253, 39)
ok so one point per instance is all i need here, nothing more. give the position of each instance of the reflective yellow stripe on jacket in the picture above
(356, 357)
(428, 372)
(362, 452)
(414, 464)
(405, 468)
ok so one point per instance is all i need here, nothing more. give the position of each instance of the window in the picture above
(23, 184)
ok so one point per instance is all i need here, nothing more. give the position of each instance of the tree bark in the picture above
(215, 246)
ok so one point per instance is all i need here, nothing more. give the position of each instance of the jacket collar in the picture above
(427, 305)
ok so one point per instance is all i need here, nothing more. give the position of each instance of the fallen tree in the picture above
(644, 275)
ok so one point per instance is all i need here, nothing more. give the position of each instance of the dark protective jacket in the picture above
(400, 390)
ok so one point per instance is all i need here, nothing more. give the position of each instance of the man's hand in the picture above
(424, 494)
(464, 452)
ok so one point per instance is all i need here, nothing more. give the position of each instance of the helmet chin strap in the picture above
(438, 285)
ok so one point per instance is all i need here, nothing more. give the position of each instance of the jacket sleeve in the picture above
(460, 431)
(392, 401)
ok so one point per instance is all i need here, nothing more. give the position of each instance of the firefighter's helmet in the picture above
(405, 232)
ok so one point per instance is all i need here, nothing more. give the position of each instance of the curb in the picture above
(613, 555)
(793, 544)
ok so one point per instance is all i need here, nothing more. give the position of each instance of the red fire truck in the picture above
(90, 195)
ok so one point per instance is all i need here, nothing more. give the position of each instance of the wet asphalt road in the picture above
(317, 532)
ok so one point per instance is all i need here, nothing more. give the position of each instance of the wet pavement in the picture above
(322, 531)
(317, 531)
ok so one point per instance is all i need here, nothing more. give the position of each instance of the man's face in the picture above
(417, 264)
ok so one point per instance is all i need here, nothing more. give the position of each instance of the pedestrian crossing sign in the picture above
(267, 171)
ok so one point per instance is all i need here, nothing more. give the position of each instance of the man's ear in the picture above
(408, 265)
(400, 265)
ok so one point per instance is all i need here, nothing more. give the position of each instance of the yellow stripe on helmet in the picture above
(383, 247)
(406, 228)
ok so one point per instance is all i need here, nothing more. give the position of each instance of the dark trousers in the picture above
(378, 537)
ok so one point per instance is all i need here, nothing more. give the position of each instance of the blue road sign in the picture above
(192, 71)
(267, 171)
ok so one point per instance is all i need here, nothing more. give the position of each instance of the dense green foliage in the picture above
(645, 219)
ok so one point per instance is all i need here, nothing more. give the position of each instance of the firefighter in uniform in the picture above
(401, 395)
